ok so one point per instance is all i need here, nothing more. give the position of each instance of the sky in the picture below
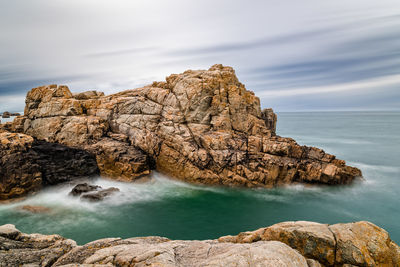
(305, 55)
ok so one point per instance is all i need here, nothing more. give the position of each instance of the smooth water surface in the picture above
(164, 207)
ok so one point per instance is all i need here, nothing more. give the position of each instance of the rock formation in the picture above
(286, 244)
(27, 164)
(199, 126)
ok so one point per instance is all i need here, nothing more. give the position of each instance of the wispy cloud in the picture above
(136, 50)
(345, 87)
(288, 52)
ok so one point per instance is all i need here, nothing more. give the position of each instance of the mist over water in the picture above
(177, 210)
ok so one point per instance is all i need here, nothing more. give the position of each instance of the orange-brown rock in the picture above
(200, 126)
(35, 209)
(350, 244)
(290, 244)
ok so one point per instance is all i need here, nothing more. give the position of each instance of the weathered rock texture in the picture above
(357, 244)
(286, 244)
(27, 164)
(199, 126)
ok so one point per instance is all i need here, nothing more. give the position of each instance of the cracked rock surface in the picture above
(199, 126)
(284, 244)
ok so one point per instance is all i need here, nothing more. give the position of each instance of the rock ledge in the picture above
(294, 244)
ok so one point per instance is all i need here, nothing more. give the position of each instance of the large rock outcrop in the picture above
(27, 164)
(199, 126)
(286, 244)
(357, 244)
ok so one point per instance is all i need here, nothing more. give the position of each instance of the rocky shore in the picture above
(200, 126)
(288, 244)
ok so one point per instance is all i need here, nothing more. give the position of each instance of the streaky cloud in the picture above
(359, 85)
(137, 50)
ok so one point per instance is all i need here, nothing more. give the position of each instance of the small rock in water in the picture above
(99, 195)
(35, 209)
(92, 192)
(6, 114)
(83, 188)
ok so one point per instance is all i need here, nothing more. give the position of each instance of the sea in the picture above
(178, 210)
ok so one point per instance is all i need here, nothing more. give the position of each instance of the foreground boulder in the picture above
(27, 164)
(17, 248)
(294, 244)
(199, 126)
(357, 244)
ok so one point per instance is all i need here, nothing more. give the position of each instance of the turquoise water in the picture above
(368, 140)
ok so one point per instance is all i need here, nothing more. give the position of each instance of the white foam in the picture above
(372, 167)
(158, 188)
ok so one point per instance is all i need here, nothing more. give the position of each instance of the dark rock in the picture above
(27, 164)
(83, 188)
(6, 114)
(99, 195)
(61, 163)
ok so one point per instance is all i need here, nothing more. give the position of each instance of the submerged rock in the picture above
(200, 126)
(35, 209)
(286, 244)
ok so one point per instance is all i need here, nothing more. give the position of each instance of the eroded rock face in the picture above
(27, 164)
(286, 244)
(199, 126)
(18, 173)
(355, 244)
